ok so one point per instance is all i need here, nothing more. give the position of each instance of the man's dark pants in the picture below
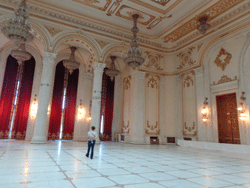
(91, 146)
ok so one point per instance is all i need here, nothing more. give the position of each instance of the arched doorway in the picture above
(63, 107)
(15, 98)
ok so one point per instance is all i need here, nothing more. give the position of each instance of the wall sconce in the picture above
(89, 118)
(49, 109)
(241, 108)
(204, 111)
(34, 107)
(81, 111)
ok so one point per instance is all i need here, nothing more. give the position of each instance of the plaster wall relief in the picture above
(189, 128)
(102, 43)
(153, 62)
(126, 103)
(152, 104)
(224, 61)
(187, 58)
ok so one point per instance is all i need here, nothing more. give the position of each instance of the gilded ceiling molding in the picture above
(218, 60)
(161, 2)
(133, 11)
(212, 12)
(113, 7)
(161, 11)
(224, 79)
(157, 21)
(185, 58)
(93, 3)
(53, 31)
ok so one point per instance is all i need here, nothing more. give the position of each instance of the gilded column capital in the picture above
(49, 57)
(99, 67)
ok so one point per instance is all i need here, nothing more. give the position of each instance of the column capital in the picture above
(49, 57)
(99, 67)
(139, 74)
(199, 71)
(88, 76)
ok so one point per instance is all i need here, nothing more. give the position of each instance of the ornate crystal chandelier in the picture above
(17, 29)
(112, 71)
(71, 64)
(203, 26)
(134, 58)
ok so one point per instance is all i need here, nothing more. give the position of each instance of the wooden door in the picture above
(228, 127)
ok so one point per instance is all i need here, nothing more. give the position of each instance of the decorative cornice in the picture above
(225, 79)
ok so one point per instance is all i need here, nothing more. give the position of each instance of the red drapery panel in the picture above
(70, 107)
(107, 106)
(56, 107)
(7, 96)
(22, 112)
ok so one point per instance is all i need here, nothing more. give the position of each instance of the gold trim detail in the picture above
(115, 5)
(152, 81)
(126, 83)
(53, 31)
(150, 128)
(219, 62)
(118, 13)
(185, 58)
(189, 129)
(101, 43)
(225, 79)
(91, 3)
(188, 81)
(212, 12)
(153, 61)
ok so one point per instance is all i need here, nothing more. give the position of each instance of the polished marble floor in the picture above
(117, 165)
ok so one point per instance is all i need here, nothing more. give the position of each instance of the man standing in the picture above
(91, 142)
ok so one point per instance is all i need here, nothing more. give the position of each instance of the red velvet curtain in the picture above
(22, 111)
(56, 107)
(107, 106)
(7, 96)
(70, 107)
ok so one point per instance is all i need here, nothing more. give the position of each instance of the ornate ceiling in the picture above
(165, 24)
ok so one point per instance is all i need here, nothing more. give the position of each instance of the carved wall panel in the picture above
(189, 105)
(126, 103)
(152, 104)
(186, 58)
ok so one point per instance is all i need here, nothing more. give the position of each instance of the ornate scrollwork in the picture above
(152, 129)
(185, 58)
(152, 81)
(188, 80)
(126, 83)
(189, 129)
(218, 60)
(224, 79)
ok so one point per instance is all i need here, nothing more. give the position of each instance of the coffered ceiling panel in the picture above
(97, 4)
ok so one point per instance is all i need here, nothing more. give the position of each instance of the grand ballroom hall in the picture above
(164, 82)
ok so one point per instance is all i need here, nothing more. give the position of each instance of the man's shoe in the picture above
(87, 155)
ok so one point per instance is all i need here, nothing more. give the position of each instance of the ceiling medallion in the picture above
(203, 26)
(17, 29)
(134, 58)
(71, 64)
(112, 71)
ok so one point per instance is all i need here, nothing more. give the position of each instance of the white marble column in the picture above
(84, 93)
(199, 84)
(40, 130)
(117, 112)
(96, 97)
(138, 109)
(163, 139)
